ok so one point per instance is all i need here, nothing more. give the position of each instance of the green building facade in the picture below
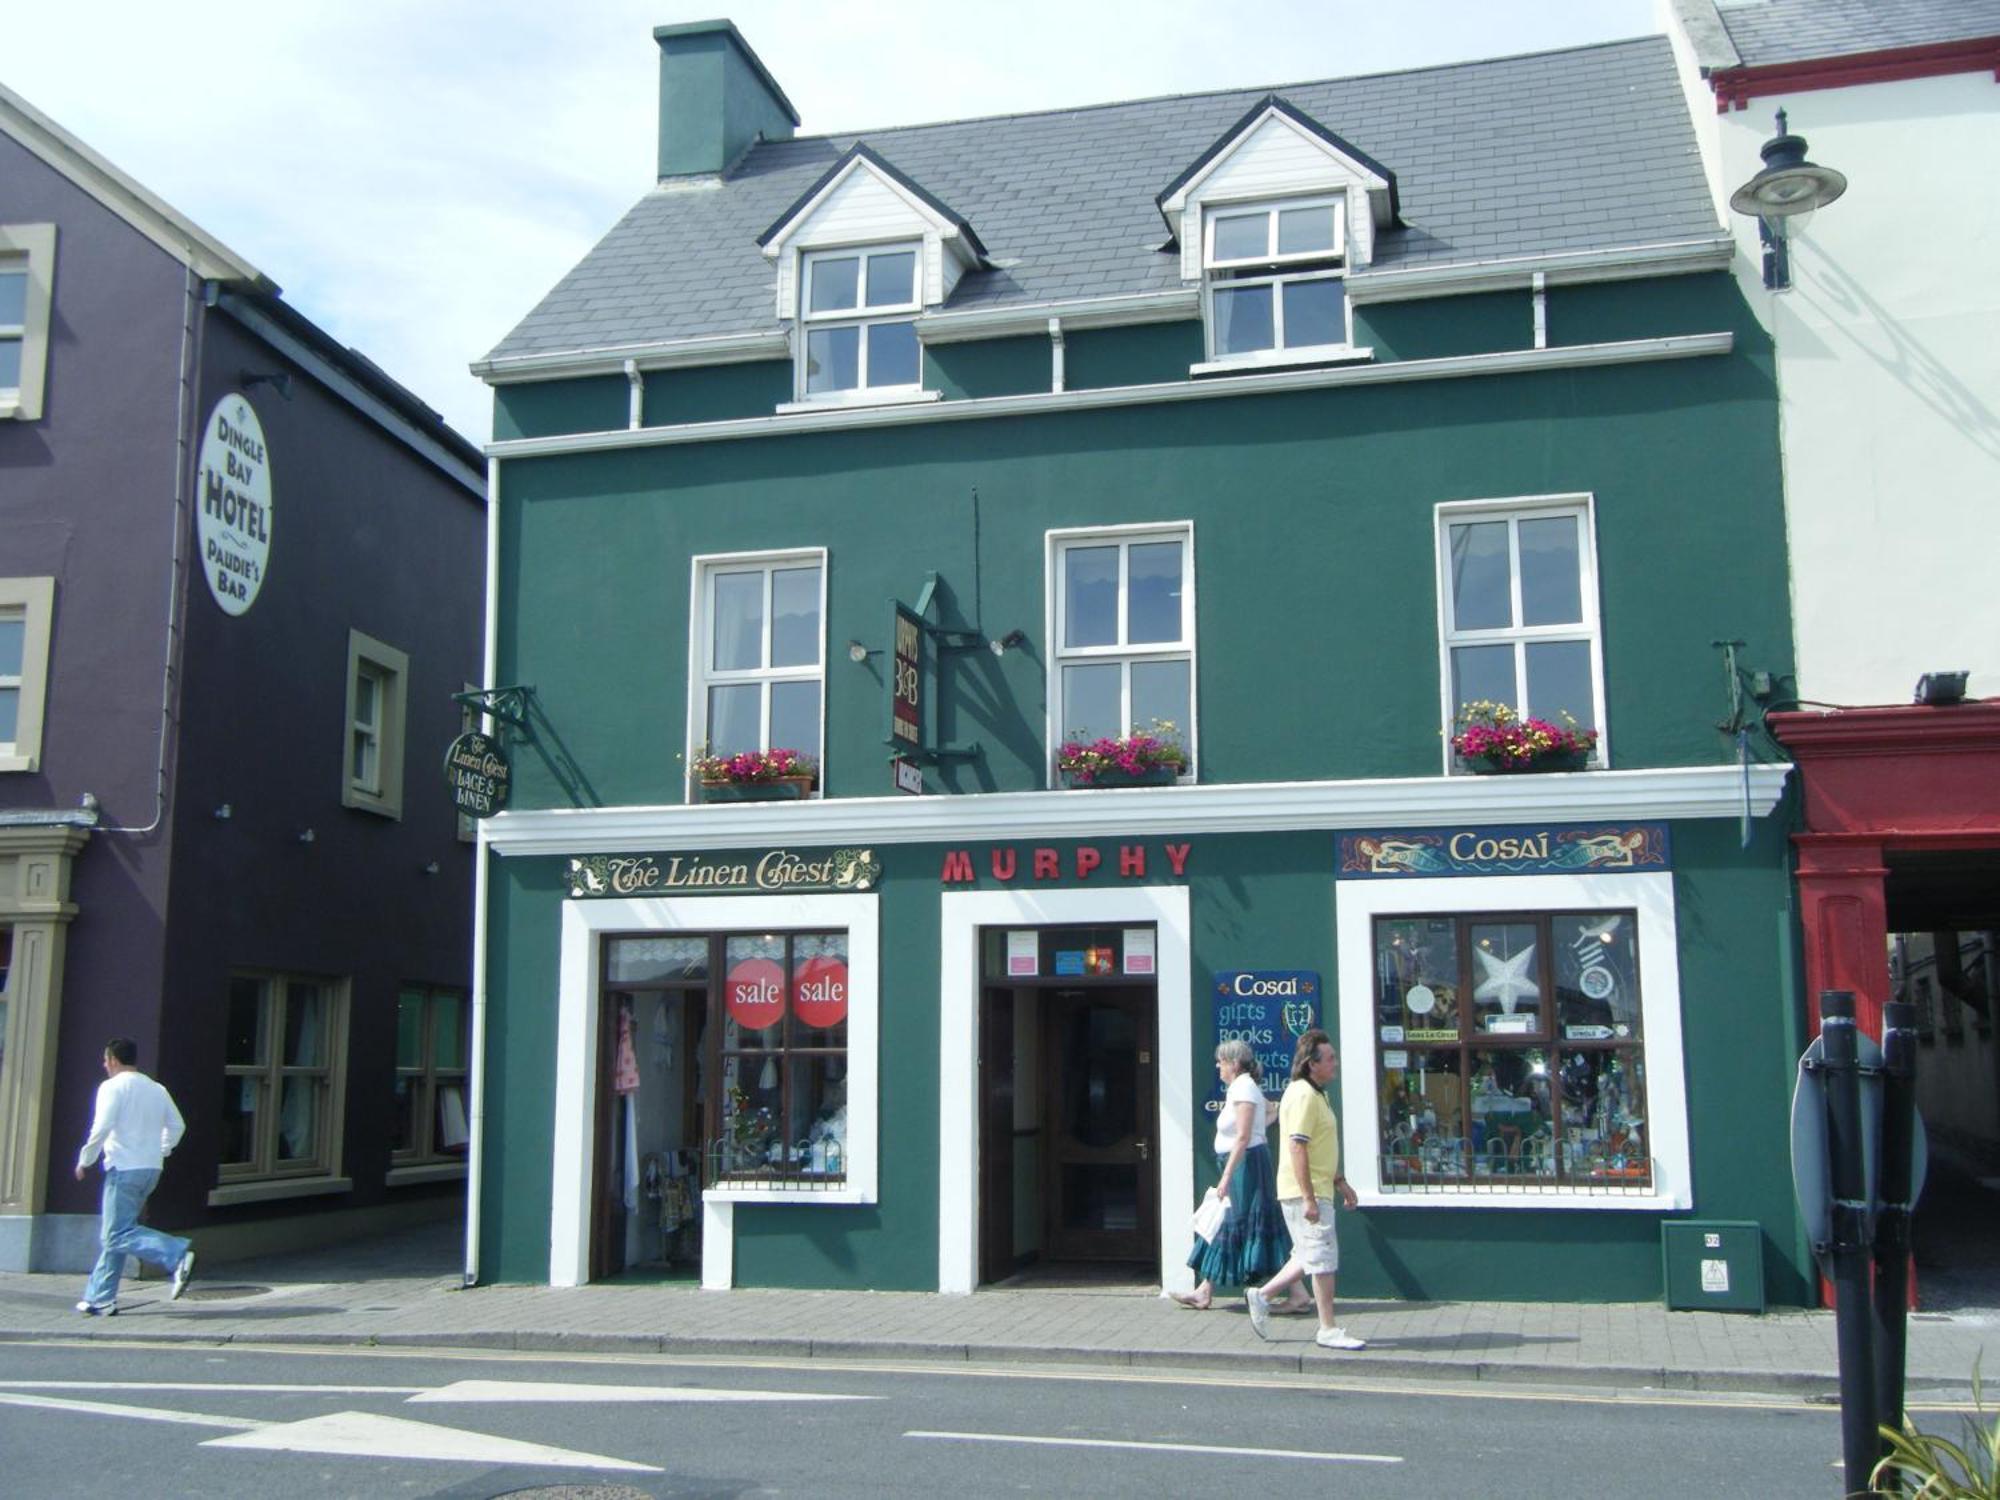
(948, 1016)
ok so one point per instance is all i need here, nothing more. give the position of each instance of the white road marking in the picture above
(551, 1390)
(1065, 1442)
(112, 1409)
(209, 1385)
(362, 1435)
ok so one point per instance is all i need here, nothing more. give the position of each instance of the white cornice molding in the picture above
(1016, 318)
(1254, 807)
(1513, 273)
(664, 354)
(151, 216)
(1453, 367)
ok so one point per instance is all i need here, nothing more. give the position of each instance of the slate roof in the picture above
(1586, 148)
(1767, 32)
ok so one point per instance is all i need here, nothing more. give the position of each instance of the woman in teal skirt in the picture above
(1252, 1243)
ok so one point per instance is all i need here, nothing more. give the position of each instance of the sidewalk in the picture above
(404, 1291)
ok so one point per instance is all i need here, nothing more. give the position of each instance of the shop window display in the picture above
(1510, 1051)
(781, 1109)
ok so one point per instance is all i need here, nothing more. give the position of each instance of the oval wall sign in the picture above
(233, 505)
(477, 771)
(754, 991)
(819, 992)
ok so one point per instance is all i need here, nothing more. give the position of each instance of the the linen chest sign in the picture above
(773, 872)
(1514, 849)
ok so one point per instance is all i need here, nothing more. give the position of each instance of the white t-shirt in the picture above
(1243, 1089)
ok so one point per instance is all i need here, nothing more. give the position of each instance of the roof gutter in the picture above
(834, 419)
(1512, 273)
(1023, 318)
(665, 354)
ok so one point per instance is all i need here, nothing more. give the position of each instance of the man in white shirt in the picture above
(135, 1126)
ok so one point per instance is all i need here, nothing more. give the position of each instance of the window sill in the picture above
(1282, 359)
(426, 1171)
(380, 807)
(17, 762)
(775, 1192)
(9, 408)
(267, 1189)
(899, 396)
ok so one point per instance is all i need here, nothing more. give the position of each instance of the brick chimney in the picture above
(716, 99)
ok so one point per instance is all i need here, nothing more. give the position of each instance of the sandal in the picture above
(1190, 1300)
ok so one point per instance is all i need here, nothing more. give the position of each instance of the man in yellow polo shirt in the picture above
(1309, 1181)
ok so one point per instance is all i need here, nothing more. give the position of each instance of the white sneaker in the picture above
(1338, 1338)
(181, 1274)
(1260, 1311)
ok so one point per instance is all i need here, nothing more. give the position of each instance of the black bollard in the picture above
(1852, 1262)
(1892, 1217)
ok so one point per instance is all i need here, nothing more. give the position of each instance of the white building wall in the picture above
(1889, 377)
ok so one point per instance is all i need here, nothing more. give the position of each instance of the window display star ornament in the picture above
(1506, 978)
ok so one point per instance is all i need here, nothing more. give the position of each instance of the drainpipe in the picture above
(1541, 310)
(476, 1145)
(637, 406)
(1056, 374)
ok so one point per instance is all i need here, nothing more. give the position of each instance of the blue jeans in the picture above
(125, 1195)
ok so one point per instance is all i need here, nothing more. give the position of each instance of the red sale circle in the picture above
(819, 992)
(754, 991)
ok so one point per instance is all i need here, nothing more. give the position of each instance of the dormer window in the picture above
(857, 332)
(1274, 276)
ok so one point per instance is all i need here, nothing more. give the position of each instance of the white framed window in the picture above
(26, 608)
(760, 650)
(1123, 606)
(1517, 603)
(857, 334)
(1274, 280)
(378, 678)
(1548, 1072)
(284, 1077)
(27, 278)
(429, 1102)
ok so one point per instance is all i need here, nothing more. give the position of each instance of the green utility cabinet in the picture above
(1713, 1264)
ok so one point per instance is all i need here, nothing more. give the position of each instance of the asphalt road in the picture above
(162, 1421)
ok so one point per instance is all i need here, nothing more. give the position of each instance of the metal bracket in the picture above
(507, 704)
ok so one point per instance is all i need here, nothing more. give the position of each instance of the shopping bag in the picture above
(1209, 1214)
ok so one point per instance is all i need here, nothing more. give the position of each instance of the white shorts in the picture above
(1316, 1246)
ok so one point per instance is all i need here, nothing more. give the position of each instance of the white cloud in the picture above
(418, 173)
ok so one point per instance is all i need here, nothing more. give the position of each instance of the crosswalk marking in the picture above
(1069, 1442)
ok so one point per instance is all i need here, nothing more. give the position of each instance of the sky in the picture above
(416, 174)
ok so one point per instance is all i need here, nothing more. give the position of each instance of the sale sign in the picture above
(819, 992)
(754, 991)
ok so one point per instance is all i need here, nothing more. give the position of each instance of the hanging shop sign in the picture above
(476, 770)
(1006, 862)
(819, 991)
(906, 690)
(1270, 1009)
(233, 505)
(1516, 849)
(754, 992)
(775, 870)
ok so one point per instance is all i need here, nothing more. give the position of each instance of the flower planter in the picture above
(1150, 776)
(1497, 765)
(784, 789)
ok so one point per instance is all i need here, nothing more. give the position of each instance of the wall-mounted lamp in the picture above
(224, 812)
(431, 868)
(1007, 642)
(1937, 689)
(306, 835)
(858, 652)
(278, 380)
(88, 802)
(1782, 197)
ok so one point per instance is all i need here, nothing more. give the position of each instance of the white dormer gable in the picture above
(865, 201)
(1275, 153)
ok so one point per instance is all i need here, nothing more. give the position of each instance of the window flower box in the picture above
(1139, 759)
(754, 776)
(1494, 739)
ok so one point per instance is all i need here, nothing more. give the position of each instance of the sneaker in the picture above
(1338, 1338)
(98, 1310)
(181, 1274)
(1260, 1311)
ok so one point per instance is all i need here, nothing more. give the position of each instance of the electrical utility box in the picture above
(1713, 1265)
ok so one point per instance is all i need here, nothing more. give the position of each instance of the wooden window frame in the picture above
(270, 1072)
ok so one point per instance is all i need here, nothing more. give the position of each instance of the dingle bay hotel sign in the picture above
(771, 873)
